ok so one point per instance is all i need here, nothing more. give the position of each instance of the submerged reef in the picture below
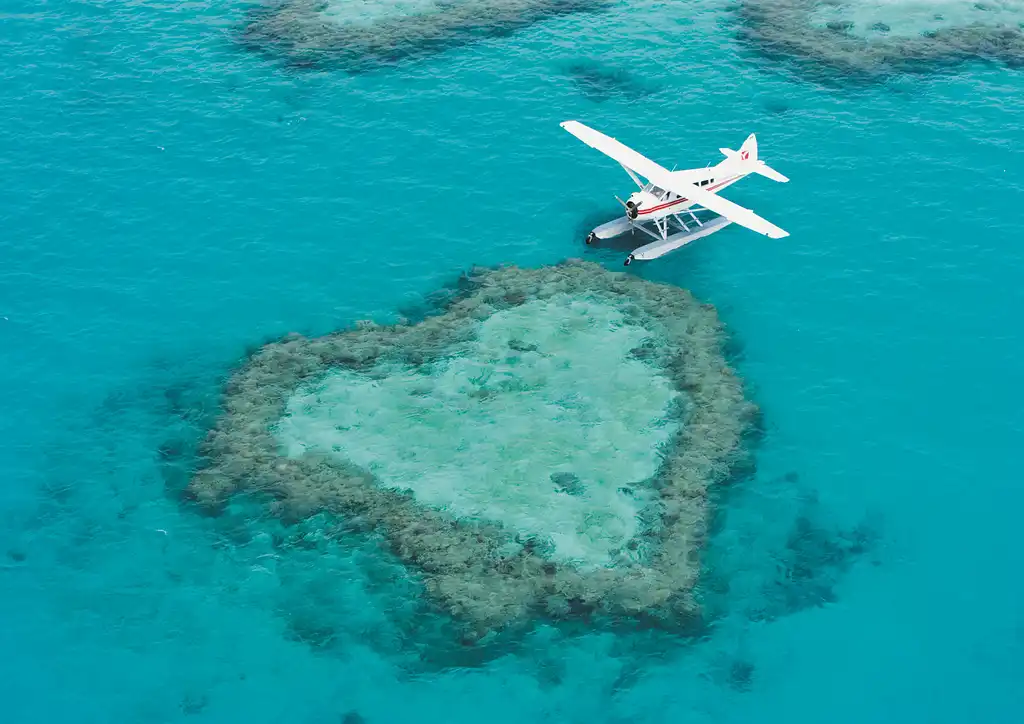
(871, 40)
(541, 446)
(600, 82)
(368, 34)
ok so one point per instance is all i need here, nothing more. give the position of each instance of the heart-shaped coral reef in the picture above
(542, 446)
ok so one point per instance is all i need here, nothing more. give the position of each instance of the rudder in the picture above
(748, 151)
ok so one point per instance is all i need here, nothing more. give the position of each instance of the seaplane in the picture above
(669, 204)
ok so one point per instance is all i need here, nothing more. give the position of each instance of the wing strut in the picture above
(632, 175)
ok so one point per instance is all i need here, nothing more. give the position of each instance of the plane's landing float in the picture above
(658, 208)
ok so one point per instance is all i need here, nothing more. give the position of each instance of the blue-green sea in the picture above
(169, 199)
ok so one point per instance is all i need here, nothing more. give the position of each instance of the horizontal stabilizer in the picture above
(769, 172)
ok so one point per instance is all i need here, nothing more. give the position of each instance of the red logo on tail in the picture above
(745, 155)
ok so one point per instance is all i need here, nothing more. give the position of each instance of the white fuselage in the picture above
(651, 203)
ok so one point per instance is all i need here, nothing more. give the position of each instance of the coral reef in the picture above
(811, 564)
(543, 445)
(364, 35)
(870, 41)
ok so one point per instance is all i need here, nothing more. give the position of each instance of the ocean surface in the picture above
(171, 198)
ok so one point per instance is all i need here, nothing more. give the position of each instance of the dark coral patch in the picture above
(312, 34)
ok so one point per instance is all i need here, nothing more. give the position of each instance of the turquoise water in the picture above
(170, 199)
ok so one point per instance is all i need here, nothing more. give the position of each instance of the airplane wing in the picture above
(616, 151)
(661, 176)
(734, 212)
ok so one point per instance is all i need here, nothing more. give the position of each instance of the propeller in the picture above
(630, 213)
(631, 210)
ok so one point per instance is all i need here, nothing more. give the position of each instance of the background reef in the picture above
(838, 42)
(361, 37)
(833, 42)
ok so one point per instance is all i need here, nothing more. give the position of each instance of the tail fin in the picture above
(748, 151)
(747, 157)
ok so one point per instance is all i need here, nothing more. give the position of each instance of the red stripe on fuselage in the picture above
(651, 210)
